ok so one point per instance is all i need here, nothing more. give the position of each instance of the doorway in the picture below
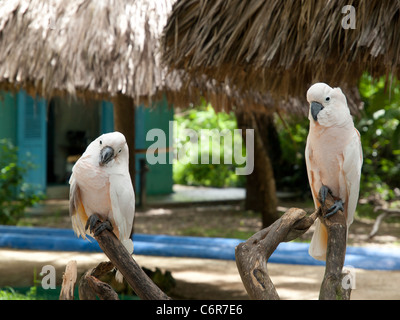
(72, 124)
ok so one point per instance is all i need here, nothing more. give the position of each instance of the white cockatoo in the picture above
(333, 158)
(101, 188)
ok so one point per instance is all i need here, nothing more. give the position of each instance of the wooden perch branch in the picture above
(252, 256)
(90, 286)
(69, 280)
(332, 287)
(143, 286)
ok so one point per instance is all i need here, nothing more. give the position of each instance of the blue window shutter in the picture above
(32, 137)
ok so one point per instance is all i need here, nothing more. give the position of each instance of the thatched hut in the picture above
(279, 48)
(103, 50)
(100, 50)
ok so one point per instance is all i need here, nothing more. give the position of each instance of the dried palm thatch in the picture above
(98, 49)
(89, 48)
(283, 46)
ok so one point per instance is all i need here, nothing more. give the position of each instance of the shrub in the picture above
(216, 175)
(15, 194)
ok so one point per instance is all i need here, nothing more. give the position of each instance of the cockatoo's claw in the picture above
(323, 192)
(91, 225)
(338, 205)
(106, 225)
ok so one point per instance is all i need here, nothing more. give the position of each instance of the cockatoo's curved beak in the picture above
(106, 155)
(316, 107)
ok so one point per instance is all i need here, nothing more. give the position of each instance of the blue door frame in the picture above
(32, 137)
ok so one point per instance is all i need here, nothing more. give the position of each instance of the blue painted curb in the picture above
(37, 238)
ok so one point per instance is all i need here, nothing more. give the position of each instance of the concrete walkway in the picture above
(200, 278)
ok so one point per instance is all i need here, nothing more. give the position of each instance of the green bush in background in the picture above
(379, 127)
(15, 194)
(215, 175)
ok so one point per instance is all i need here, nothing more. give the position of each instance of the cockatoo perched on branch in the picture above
(333, 158)
(101, 187)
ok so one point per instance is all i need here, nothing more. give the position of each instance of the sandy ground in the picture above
(201, 278)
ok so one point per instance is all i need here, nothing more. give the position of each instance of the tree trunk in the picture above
(260, 185)
(124, 122)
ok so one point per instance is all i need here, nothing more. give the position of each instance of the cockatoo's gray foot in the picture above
(338, 205)
(91, 225)
(323, 192)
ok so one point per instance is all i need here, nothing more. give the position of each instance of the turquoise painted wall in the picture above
(159, 176)
(23, 121)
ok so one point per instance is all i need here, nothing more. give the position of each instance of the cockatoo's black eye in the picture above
(119, 151)
(327, 98)
(101, 142)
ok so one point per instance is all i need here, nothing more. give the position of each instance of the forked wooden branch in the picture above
(90, 286)
(252, 256)
(143, 286)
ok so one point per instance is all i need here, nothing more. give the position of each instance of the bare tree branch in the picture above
(103, 290)
(90, 285)
(143, 286)
(386, 213)
(251, 259)
(332, 285)
(69, 280)
(252, 256)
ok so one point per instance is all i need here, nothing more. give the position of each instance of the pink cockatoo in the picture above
(333, 158)
(101, 187)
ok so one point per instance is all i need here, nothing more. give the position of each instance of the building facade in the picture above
(53, 134)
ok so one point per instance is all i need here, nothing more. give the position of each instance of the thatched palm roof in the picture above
(98, 49)
(91, 48)
(283, 46)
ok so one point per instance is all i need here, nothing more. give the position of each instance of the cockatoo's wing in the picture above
(123, 207)
(320, 237)
(76, 209)
(352, 163)
(313, 176)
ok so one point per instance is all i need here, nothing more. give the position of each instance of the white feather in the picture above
(353, 159)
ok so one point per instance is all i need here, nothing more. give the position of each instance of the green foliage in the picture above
(10, 294)
(216, 175)
(379, 127)
(15, 194)
(290, 171)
